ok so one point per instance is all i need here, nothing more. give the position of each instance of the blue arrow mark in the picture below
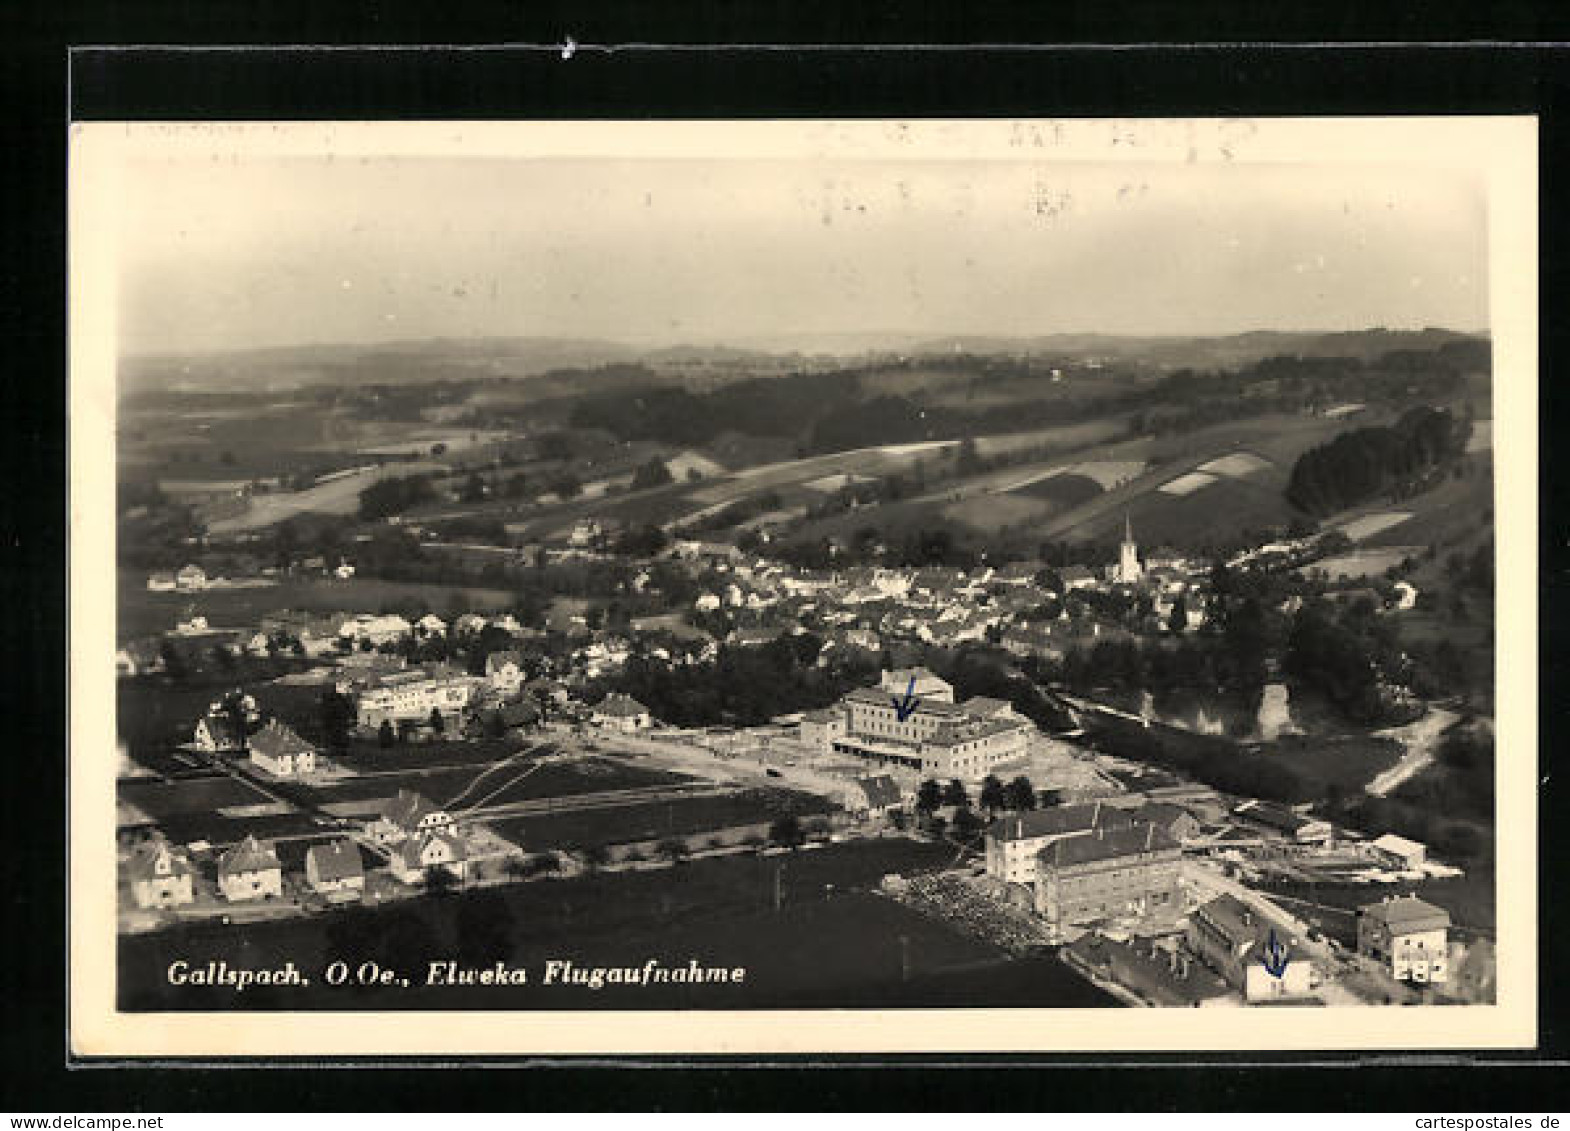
(903, 708)
(1275, 956)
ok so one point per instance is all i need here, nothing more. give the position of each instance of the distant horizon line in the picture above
(750, 342)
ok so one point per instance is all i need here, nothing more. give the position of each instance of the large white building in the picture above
(411, 696)
(910, 720)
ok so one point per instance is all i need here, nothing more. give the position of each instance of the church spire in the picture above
(1128, 528)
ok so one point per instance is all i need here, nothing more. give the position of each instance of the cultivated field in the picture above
(651, 820)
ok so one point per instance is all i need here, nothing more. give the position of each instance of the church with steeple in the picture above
(1128, 571)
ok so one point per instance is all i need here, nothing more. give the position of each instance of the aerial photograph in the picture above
(738, 581)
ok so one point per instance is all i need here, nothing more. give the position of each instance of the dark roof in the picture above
(336, 860)
(224, 728)
(1243, 927)
(250, 855)
(1161, 813)
(1107, 843)
(620, 706)
(1407, 913)
(407, 809)
(276, 740)
(1060, 820)
(881, 790)
(143, 864)
(1273, 816)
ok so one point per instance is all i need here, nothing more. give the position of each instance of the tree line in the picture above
(1367, 463)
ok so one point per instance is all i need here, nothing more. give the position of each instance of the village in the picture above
(385, 757)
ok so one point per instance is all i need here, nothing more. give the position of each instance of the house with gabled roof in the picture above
(281, 752)
(335, 869)
(408, 814)
(219, 733)
(621, 712)
(1258, 957)
(413, 860)
(1408, 937)
(160, 875)
(250, 870)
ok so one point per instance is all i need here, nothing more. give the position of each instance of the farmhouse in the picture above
(621, 712)
(1406, 936)
(281, 752)
(1109, 873)
(335, 869)
(1235, 941)
(160, 876)
(407, 815)
(250, 870)
(415, 859)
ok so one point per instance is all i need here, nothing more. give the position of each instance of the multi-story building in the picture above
(1128, 873)
(1408, 937)
(411, 696)
(1014, 843)
(911, 720)
(1258, 957)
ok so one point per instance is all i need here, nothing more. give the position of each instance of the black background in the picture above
(44, 80)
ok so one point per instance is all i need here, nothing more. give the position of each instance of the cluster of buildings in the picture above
(1108, 881)
(162, 876)
(417, 837)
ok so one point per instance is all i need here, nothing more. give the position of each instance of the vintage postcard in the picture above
(803, 587)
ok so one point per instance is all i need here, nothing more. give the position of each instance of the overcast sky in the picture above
(220, 254)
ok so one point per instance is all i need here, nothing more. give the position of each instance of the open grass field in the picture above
(829, 944)
(141, 612)
(1065, 490)
(994, 512)
(651, 820)
(160, 799)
